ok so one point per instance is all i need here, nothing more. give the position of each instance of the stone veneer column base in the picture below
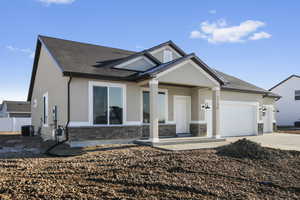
(275, 127)
(164, 130)
(260, 128)
(198, 130)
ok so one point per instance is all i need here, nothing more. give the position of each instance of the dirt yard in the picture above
(289, 131)
(135, 172)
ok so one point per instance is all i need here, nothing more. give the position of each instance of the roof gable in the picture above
(17, 106)
(141, 63)
(93, 61)
(187, 73)
(292, 76)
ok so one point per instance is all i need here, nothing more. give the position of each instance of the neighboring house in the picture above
(14, 115)
(289, 104)
(17, 109)
(105, 94)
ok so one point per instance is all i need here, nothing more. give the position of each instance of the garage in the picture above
(236, 119)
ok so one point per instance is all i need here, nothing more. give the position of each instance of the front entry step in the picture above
(184, 134)
(178, 140)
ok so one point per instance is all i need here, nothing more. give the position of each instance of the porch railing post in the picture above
(216, 112)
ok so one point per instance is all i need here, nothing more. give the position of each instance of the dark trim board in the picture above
(34, 68)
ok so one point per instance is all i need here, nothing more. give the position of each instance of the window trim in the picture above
(91, 102)
(45, 110)
(166, 103)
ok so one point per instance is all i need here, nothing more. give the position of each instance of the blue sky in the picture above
(254, 40)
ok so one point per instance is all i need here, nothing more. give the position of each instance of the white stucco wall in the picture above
(289, 108)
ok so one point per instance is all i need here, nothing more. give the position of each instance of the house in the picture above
(14, 115)
(289, 103)
(109, 95)
(17, 109)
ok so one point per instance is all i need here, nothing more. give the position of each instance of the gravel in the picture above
(245, 148)
(135, 172)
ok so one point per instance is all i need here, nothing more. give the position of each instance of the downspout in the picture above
(69, 111)
(67, 125)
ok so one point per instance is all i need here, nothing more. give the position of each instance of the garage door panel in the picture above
(237, 119)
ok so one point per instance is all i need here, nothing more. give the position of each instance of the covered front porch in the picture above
(188, 109)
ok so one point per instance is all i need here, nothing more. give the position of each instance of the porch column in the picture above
(153, 85)
(216, 112)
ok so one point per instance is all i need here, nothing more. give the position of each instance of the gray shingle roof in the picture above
(238, 84)
(88, 60)
(17, 106)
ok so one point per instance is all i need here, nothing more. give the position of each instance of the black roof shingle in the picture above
(94, 61)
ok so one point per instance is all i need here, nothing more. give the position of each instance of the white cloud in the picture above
(220, 32)
(27, 51)
(212, 12)
(260, 35)
(48, 2)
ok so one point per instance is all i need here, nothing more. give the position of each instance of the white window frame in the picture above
(45, 110)
(167, 55)
(92, 84)
(166, 103)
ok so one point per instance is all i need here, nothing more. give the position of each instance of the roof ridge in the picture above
(85, 43)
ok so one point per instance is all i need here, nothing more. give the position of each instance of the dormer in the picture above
(166, 52)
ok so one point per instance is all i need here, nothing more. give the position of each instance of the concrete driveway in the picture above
(274, 140)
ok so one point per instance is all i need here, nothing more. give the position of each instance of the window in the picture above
(297, 94)
(161, 107)
(168, 56)
(45, 109)
(107, 105)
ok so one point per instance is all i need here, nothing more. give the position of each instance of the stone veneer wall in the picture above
(198, 130)
(274, 127)
(118, 132)
(260, 127)
(165, 130)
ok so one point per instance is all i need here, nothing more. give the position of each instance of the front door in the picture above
(182, 113)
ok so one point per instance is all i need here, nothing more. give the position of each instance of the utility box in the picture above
(27, 130)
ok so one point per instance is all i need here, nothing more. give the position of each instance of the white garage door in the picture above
(236, 119)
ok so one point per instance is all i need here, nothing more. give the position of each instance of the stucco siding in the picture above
(173, 91)
(49, 79)
(79, 102)
(187, 74)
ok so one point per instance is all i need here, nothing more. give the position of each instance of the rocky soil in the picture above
(134, 172)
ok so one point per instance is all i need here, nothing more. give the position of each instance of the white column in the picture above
(216, 112)
(153, 85)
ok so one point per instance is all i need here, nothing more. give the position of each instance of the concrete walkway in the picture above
(274, 140)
